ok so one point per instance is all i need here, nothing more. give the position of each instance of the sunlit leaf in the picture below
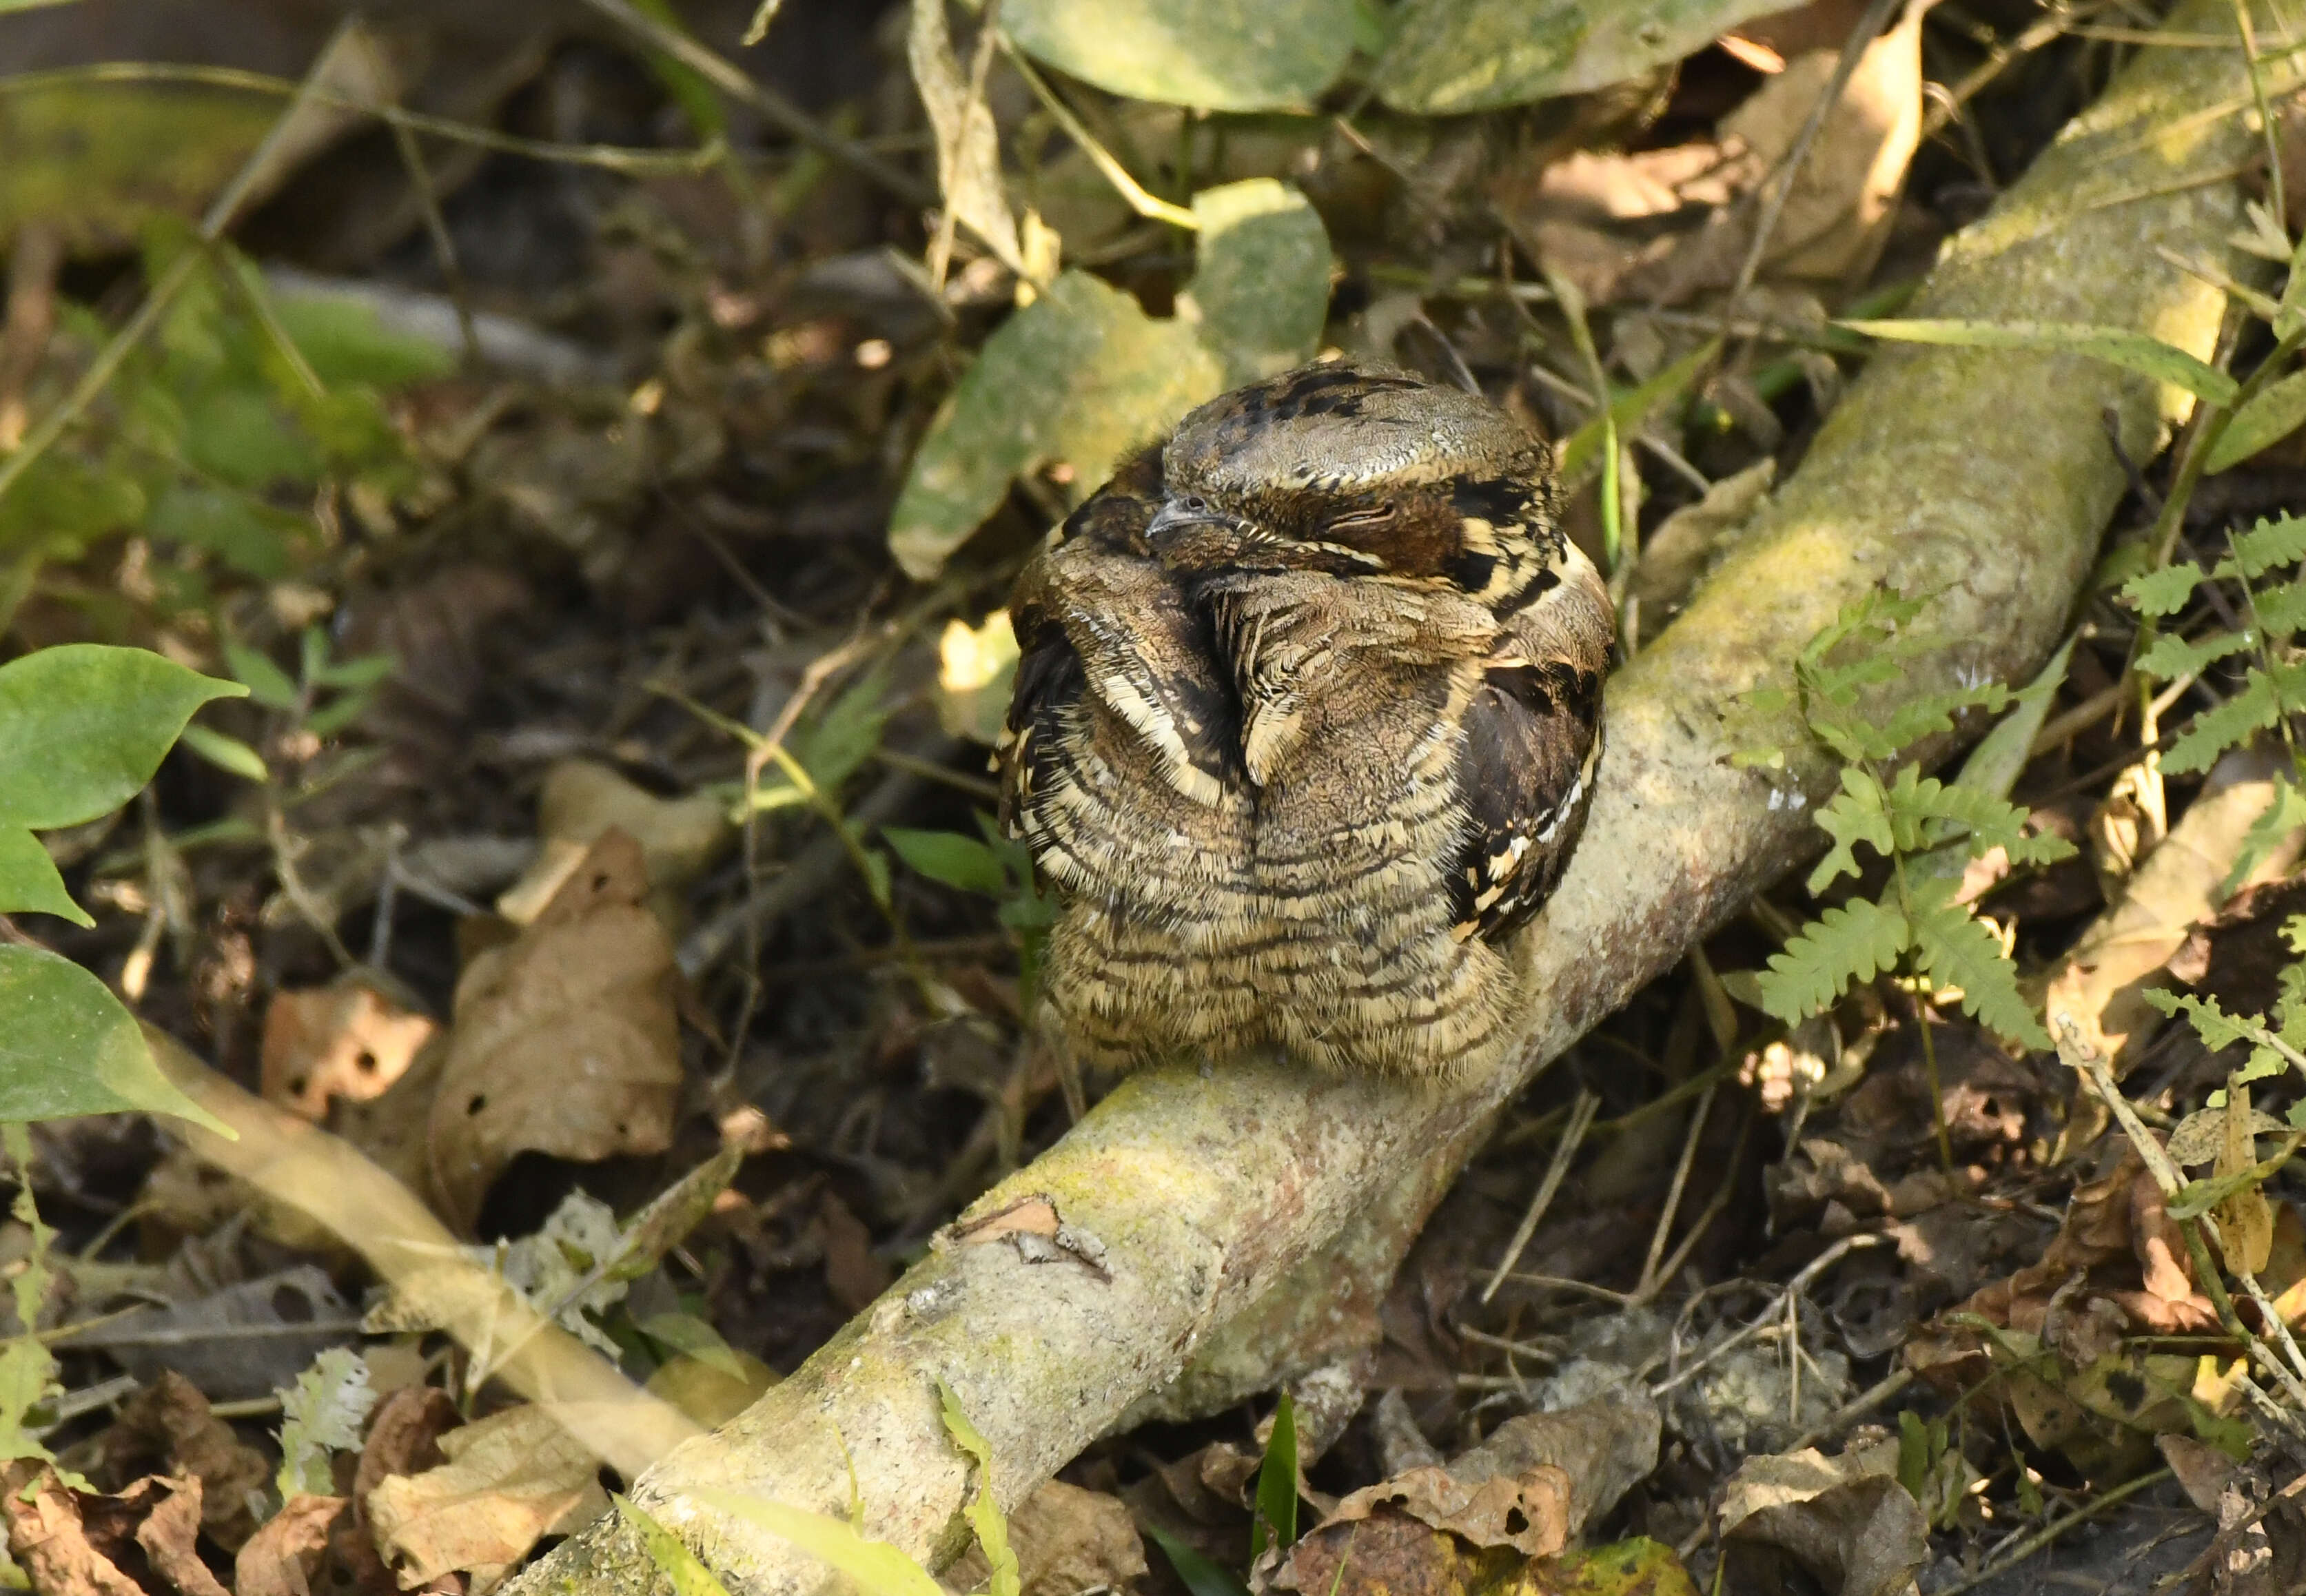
(985, 1517)
(878, 1568)
(82, 728)
(682, 1567)
(1450, 56)
(1217, 54)
(69, 1048)
(1261, 285)
(2164, 592)
(2132, 351)
(2272, 414)
(1849, 941)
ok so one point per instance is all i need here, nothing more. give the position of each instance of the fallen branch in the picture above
(1222, 1229)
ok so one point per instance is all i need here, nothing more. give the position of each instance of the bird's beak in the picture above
(1173, 517)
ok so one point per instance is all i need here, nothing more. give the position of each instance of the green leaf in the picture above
(2269, 830)
(2276, 411)
(28, 1379)
(2215, 730)
(878, 1568)
(833, 746)
(1277, 1486)
(245, 535)
(1260, 288)
(2281, 607)
(322, 1412)
(2217, 1028)
(1848, 943)
(1214, 54)
(68, 1047)
(1452, 56)
(29, 880)
(984, 1518)
(345, 340)
(683, 1570)
(2118, 347)
(227, 753)
(1857, 814)
(82, 728)
(2164, 591)
(266, 683)
(2173, 656)
(1079, 376)
(2265, 546)
(1630, 410)
(1200, 1576)
(1956, 949)
(959, 862)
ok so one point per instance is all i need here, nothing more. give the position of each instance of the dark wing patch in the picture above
(1525, 777)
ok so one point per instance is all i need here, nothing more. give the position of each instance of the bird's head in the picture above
(1360, 468)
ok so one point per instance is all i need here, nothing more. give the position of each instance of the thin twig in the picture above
(740, 85)
(2050, 1532)
(1581, 1119)
(1144, 203)
(1772, 1315)
(1673, 1191)
(1874, 1396)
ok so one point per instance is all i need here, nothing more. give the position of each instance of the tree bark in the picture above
(1219, 1219)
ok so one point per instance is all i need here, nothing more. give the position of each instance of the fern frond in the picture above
(2215, 1027)
(2281, 817)
(2281, 609)
(2232, 723)
(1955, 948)
(2265, 546)
(1849, 942)
(2173, 656)
(2164, 592)
(1925, 812)
(1855, 814)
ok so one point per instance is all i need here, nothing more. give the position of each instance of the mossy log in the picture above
(1216, 1219)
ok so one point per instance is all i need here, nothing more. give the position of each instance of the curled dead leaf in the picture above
(566, 1040)
(324, 1043)
(1845, 1519)
(510, 1479)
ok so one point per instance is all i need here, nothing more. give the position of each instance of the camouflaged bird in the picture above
(1304, 726)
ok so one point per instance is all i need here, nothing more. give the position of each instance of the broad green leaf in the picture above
(1849, 941)
(2164, 592)
(29, 880)
(1077, 378)
(1200, 1576)
(1955, 949)
(1082, 375)
(344, 338)
(252, 538)
(82, 728)
(2275, 411)
(959, 862)
(28, 1379)
(1215, 55)
(1450, 56)
(67, 1048)
(683, 1570)
(2132, 351)
(992, 1530)
(833, 746)
(878, 1568)
(227, 753)
(1277, 1485)
(1260, 288)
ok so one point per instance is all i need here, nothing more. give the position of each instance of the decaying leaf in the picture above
(166, 1428)
(281, 1559)
(968, 149)
(1845, 1519)
(1066, 1539)
(75, 1543)
(509, 1479)
(234, 1343)
(582, 802)
(566, 1041)
(323, 1043)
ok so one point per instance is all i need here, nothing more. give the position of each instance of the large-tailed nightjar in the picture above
(1305, 725)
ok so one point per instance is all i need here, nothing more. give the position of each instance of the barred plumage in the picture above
(1305, 724)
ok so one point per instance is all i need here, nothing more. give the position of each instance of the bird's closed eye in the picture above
(1361, 520)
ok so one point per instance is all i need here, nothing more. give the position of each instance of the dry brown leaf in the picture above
(510, 1479)
(404, 1437)
(322, 1043)
(1067, 1539)
(280, 1558)
(2245, 1219)
(582, 802)
(73, 1543)
(1686, 541)
(566, 1041)
(852, 1273)
(1845, 1519)
(166, 1428)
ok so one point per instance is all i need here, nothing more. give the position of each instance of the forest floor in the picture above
(535, 465)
